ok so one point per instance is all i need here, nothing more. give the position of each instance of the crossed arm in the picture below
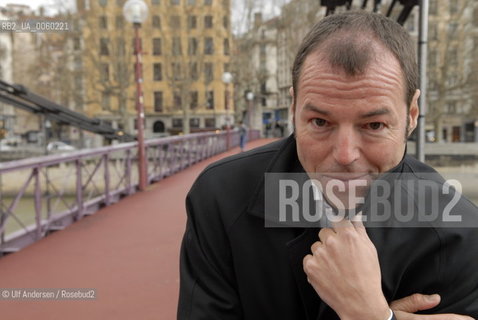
(350, 277)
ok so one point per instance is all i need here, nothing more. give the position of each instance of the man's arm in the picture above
(207, 289)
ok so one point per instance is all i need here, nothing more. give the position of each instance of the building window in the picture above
(104, 47)
(208, 46)
(177, 101)
(475, 17)
(105, 72)
(120, 46)
(177, 123)
(176, 67)
(432, 59)
(208, 2)
(452, 28)
(105, 100)
(226, 67)
(433, 7)
(193, 71)
(103, 3)
(156, 22)
(119, 22)
(156, 46)
(193, 96)
(208, 72)
(192, 46)
(432, 32)
(158, 126)
(191, 2)
(453, 6)
(175, 2)
(210, 123)
(209, 99)
(226, 47)
(157, 72)
(76, 43)
(177, 51)
(451, 107)
(175, 22)
(120, 3)
(192, 22)
(452, 57)
(208, 22)
(103, 22)
(194, 122)
(158, 101)
(225, 22)
(155, 2)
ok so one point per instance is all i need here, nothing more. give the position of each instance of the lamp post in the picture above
(227, 79)
(250, 99)
(136, 12)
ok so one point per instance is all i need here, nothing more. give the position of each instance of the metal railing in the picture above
(45, 194)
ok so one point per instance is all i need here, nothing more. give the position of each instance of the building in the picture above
(186, 46)
(452, 67)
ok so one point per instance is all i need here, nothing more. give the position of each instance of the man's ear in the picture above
(413, 112)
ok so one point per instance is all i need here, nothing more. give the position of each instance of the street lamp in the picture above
(227, 79)
(136, 12)
(250, 99)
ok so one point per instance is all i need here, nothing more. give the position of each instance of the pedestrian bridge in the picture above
(76, 221)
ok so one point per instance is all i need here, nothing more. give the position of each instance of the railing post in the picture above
(79, 190)
(146, 162)
(36, 174)
(107, 179)
(129, 187)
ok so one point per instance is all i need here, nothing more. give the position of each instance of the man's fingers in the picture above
(416, 302)
(316, 245)
(340, 224)
(325, 233)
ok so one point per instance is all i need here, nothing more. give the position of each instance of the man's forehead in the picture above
(383, 66)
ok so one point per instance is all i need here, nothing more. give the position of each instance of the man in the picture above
(354, 103)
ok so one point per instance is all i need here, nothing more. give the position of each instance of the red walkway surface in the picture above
(128, 252)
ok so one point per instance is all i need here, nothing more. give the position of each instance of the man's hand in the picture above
(405, 307)
(345, 272)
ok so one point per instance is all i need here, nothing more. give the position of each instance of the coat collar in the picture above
(285, 160)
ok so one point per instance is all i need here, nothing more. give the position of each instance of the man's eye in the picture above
(375, 125)
(320, 122)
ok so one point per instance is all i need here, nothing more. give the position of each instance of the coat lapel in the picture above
(298, 248)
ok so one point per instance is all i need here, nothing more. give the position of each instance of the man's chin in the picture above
(345, 190)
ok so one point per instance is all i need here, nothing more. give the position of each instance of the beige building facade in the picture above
(186, 47)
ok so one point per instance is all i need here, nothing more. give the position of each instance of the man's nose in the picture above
(346, 149)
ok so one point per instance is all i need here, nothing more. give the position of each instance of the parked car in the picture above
(6, 146)
(56, 146)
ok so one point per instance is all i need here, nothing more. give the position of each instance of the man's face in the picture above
(351, 128)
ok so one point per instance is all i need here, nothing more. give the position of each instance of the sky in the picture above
(270, 8)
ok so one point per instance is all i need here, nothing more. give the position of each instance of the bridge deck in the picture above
(128, 252)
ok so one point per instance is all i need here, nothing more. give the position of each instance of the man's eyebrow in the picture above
(374, 113)
(310, 107)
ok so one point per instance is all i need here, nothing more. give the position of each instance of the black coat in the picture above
(233, 267)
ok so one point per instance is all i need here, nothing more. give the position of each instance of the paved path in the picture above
(128, 252)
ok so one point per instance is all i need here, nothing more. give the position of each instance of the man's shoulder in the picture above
(253, 161)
